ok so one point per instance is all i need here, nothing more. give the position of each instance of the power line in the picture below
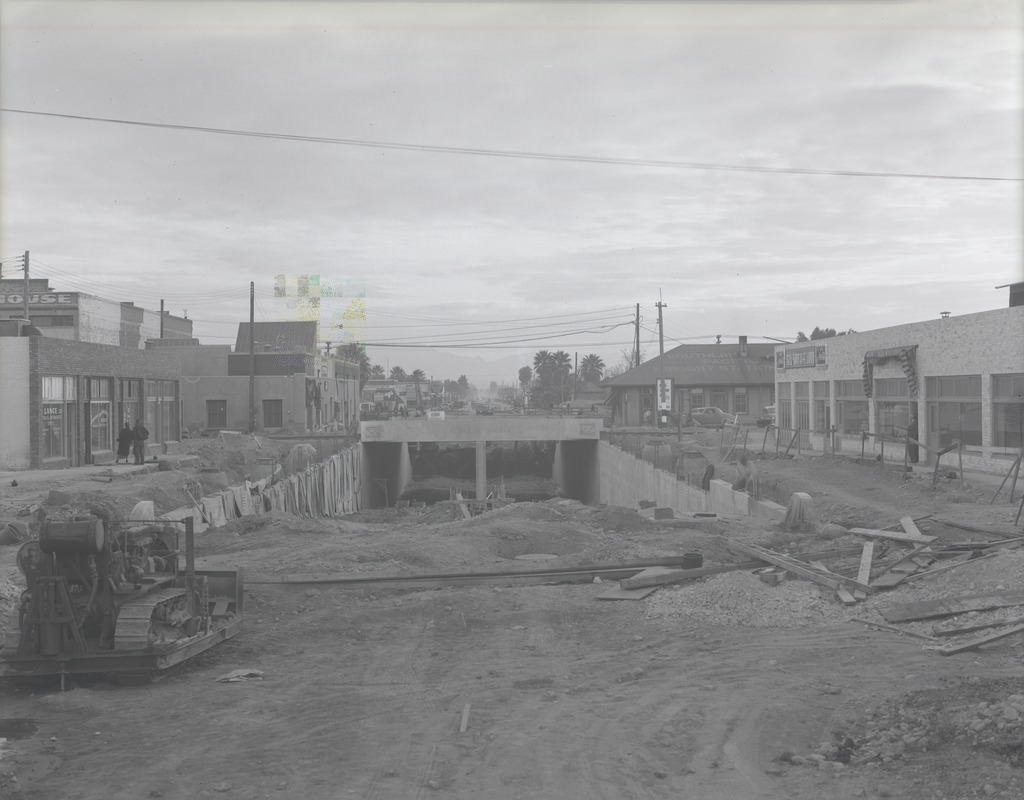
(517, 154)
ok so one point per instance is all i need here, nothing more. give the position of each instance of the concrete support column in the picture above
(481, 470)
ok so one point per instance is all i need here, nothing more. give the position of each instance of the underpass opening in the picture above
(382, 473)
(524, 469)
(575, 470)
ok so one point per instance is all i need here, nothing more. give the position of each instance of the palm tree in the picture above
(397, 374)
(592, 368)
(418, 375)
(377, 371)
(355, 352)
(561, 363)
(525, 375)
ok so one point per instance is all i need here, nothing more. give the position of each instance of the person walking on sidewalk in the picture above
(124, 442)
(141, 434)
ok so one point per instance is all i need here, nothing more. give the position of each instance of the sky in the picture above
(559, 163)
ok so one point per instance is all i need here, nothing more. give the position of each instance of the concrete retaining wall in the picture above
(625, 480)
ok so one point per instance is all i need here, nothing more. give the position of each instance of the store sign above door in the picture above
(799, 357)
(38, 299)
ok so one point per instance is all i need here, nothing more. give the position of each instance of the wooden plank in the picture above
(845, 596)
(911, 527)
(888, 580)
(883, 627)
(895, 536)
(801, 568)
(864, 573)
(464, 722)
(979, 627)
(949, 606)
(661, 576)
(948, 567)
(618, 593)
(952, 649)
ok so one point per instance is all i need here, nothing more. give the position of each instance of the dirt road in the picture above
(689, 693)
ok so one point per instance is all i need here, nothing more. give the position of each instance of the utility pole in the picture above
(661, 330)
(252, 357)
(636, 338)
(161, 318)
(25, 298)
(661, 358)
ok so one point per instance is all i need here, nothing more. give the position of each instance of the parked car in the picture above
(767, 417)
(710, 417)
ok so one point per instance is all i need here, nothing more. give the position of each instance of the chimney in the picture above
(743, 346)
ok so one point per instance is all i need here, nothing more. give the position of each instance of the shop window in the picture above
(696, 398)
(216, 413)
(822, 411)
(739, 400)
(1008, 410)
(954, 410)
(273, 414)
(100, 417)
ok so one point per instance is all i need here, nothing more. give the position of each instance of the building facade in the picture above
(737, 378)
(63, 402)
(81, 317)
(955, 379)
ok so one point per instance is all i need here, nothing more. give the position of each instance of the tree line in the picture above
(551, 379)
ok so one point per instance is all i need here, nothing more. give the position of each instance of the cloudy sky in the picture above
(471, 222)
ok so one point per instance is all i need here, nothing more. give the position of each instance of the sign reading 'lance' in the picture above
(38, 299)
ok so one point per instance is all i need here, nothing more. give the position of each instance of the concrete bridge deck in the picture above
(479, 428)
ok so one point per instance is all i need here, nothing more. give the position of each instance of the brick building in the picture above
(960, 377)
(64, 401)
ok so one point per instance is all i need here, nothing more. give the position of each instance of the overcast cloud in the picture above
(141, 213)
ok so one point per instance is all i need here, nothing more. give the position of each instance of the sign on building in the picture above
(664, 392)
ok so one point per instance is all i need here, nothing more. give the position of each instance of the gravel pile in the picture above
(741, 598)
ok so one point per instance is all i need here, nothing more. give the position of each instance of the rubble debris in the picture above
(800, 512)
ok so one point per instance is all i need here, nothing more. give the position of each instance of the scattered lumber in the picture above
(953, 648)
(464, 722)
(947, 567)
(845, 596)
(801, 568)
(883, 627)
(1002, 533)
(864, 573)
(911, 527)
(950, 606)
(979, 627)
(895, 536)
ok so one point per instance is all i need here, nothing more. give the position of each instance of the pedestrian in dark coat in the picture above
(141, 434)
(125, 439)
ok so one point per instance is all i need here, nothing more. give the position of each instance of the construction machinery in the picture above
(117, 597)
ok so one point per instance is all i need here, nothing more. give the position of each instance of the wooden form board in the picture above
(949, 606)
(911, 527)
(864, 573)
(951, 649)
(895, 536)
(980, 627)
(660, 576)
(801, 568)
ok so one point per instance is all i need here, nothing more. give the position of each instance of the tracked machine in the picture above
(115, 597)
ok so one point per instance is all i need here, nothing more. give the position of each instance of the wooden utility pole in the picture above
(161, 319)
(25, 298)
(252, 357)
(661, 329)
(636, 338)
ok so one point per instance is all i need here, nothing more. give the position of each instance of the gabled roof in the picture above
(278, 337)
(705, 365)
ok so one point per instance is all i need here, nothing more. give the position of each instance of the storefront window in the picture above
(53, 436)
(696, 398)
(162, 417)
(1008, 410)
(892, 406)
(851, 407)
(99, 414)
(954, 410)
(784, 411)
(822, 414)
